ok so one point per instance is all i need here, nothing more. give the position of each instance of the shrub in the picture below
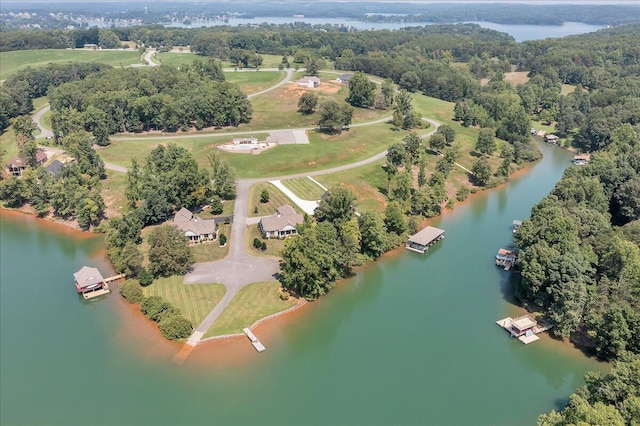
(154, 306)
(462, 194)
(131, 291)
(284, 295)
(450, 203)
(255, 210)
(216, 205)
(264, 196)
(145, 277)
(175, 327)
(223, 240)
(257, 243)
(263, 246)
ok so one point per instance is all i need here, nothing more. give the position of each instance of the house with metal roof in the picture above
(421, 241)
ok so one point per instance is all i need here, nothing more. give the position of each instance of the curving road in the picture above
(37, 118)
(239, 269)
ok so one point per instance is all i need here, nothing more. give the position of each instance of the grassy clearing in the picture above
(304, 188)
(274, 245)
(121, 151)
(113, 190)
(268, 61)
(252, 82)
(323, 152)
(517, 77)
(8, 144)
(566, 89)
(276, 199)
(177, 59)
(253, 302)
(278, 109)
(195, 301)
(369, 183)
(12, 62)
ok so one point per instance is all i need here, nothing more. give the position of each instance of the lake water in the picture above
(410, 339)
(519, 32)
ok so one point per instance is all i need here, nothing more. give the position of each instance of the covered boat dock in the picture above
(421, 241)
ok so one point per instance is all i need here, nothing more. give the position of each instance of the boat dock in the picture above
(525, 328)
(254, 340)
(421, 241)
(115, 277)
(95, 293)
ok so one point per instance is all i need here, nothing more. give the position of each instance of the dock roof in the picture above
(426, 236)
(88, 276)
(524, 322)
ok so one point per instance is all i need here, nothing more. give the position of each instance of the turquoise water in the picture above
(410, 339)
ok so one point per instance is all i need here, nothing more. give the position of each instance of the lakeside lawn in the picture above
(210, 251)
(369, 184)
(276, 199)
(252, 303)
(304, 188)
(12, 62)
(113, 192)
(195, 301)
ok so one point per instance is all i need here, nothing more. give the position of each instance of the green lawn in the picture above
(268, 61)
(177, 58)
(368, 183)
(252, 303)
(278, 109)
(207, 252)
(113, 190)
(274, 245)
(12, 62)
(304, 188)
(8, 144)
(323, 152)
(276, 199)
(195, 301)
(252, 82)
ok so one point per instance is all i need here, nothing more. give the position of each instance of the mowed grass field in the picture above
(252, 303)
(12, 62)
(252, 82)
(185, 57)
(276, 199)
(195, 301)
(304, 188)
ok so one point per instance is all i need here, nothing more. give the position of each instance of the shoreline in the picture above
(208, 351)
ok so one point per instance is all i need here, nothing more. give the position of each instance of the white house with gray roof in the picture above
(196, 230)
(281, 224)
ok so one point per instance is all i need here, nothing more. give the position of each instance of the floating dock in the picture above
(424, 239)
(254, 340)
(506, 258)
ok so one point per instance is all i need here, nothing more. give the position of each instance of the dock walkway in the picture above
(96, 293)
(254, 340)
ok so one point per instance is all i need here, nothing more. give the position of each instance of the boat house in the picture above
(524, 328)
(421, 241)
(581, 159)
(506, 258)
(552, 139)
(516, 225)
(90, 283)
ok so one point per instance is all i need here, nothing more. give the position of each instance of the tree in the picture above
(397, 154)
(362, 91)
(481, 171)
(486, 143)
(388, 92)
(169, 253)
(395, 219)
(314, 65)
(264, 196)
(175, 327)
(374, 234)
(437, 142)
(412, 143)
(337, 207)
(307, 103)
(333, 117)
(448, 132)
(107, 39)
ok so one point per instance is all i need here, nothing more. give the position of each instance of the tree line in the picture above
(141, 99)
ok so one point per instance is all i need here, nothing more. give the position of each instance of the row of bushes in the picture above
(259, 245)
(171, 323)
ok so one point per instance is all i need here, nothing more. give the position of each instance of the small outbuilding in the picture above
(309, 82)
(421, 241)
(344, 78)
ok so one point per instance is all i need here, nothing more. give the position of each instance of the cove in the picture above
(410, 339)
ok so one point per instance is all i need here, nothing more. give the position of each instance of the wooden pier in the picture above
(254, 340)
(115, 277)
